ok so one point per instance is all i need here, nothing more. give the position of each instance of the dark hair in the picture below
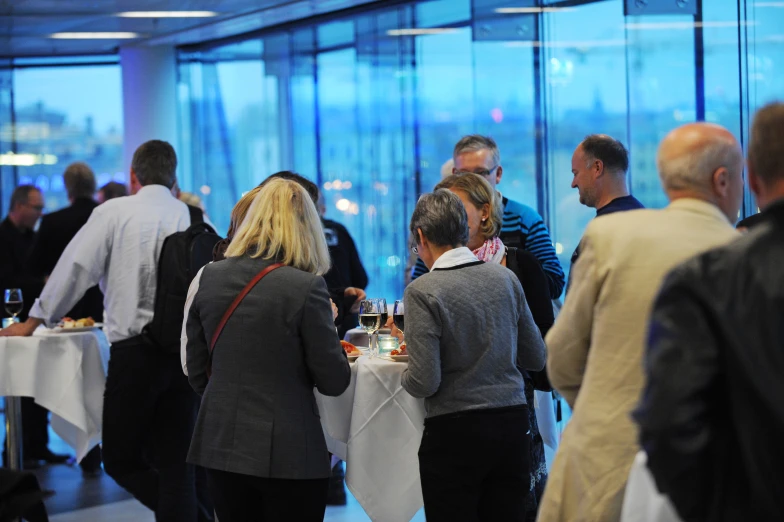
(442, 218)
(766, 146)
(114, 190)
(21, 195)
(155, 163)
(79, 180)
(308, 185)
(609, 151)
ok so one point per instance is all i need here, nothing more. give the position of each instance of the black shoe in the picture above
(91, 473)
(49, 457)
(336, 495)
(31, 464)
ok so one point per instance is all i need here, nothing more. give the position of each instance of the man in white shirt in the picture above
(149, 408)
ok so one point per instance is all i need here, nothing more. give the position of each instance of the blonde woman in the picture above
(484, 212)
(258, 432)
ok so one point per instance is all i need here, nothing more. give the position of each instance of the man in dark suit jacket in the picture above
(18, 239)
(56, 231)
(59, 228)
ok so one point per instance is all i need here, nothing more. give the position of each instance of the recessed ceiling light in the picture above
(167, 14)
(532, 10)
(94, 36)
(419, 32)
(684, 25)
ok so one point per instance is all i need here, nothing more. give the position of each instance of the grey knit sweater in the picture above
(466, 328)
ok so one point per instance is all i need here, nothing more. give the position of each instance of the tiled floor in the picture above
(100, 499)
(132, 511)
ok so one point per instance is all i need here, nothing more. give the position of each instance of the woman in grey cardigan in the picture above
(467, 328)
(258, 432)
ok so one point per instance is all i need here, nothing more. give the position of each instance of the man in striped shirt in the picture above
(522, 227)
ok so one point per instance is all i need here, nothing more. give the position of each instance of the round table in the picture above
(376, 427)
(63, 372)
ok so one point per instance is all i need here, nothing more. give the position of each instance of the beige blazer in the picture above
(595, 348)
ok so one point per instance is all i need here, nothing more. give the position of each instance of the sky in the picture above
(76, 91)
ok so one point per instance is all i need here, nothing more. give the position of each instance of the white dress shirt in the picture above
(192, 289)
(118, 248)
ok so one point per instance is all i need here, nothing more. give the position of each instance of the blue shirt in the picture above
(523, 227)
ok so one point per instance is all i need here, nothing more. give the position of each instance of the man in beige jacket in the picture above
(595, 348)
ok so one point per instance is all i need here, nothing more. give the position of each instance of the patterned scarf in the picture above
(491, 251)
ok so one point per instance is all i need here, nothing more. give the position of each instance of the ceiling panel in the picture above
(26, 25)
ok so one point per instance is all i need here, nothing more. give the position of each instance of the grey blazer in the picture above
(258, 415)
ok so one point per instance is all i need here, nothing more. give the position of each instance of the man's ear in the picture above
(755, 184)
(721, 182)
(499, 173)
(598, 168)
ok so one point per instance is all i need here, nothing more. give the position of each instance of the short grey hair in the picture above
(693, 169)
(442, 218)
(155, 163)
(79, 180)
(477, 142)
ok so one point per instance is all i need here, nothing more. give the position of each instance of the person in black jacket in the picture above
(18, 242)
(347, 270)
(711, 417)
(56, 231)
(59, 228)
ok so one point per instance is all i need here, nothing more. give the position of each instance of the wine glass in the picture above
(370, 318)
(14, 302)
(398, 316)
(381, 303)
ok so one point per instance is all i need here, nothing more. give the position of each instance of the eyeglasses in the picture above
(481, 172)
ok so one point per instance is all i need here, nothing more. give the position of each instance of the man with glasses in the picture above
(522, 226)
(18, 239)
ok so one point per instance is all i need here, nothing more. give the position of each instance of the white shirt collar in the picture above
(455, 257)
(154, 191)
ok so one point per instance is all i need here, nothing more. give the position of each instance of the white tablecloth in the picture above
(65, 373)
(642, 501)
(376, 427)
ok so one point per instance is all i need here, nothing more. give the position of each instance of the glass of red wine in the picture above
(398, 316)
(14, 303)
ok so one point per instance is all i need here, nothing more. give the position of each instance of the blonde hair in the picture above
(240, 210)
(480, 193)
(283, 224)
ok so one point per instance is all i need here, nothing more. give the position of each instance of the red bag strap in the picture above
(237, 300)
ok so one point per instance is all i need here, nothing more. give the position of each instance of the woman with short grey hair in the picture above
(468, 327)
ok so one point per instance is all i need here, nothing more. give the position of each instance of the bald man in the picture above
(596, 345)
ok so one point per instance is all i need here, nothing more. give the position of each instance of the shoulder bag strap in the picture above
(237, 300)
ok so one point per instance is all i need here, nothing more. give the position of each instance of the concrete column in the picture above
(149, 82)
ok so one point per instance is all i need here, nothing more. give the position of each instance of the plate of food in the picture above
(352, 352)
(68, 325)
(399, 355)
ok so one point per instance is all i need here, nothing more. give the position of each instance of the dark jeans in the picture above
(244, 498)
(149, 412)
(474, 466)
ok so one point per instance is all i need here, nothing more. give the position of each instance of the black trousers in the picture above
(149, 412)
(474, 466)
(244, 498)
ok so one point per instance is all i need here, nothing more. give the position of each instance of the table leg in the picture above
(13, 432)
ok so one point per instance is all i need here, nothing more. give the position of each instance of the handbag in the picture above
(237, 300)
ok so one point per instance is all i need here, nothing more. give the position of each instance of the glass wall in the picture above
(370, 104)
(53, 115)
